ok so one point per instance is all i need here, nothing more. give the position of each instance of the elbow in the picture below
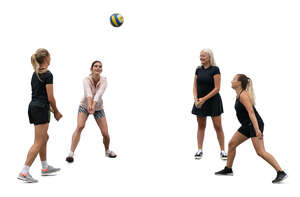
(217, 89)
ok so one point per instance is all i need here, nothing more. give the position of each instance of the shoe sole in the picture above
(229, 174)
(110, 156)
(50, 173)
(26, 181)
(198, 158)
(70, 160)
(285, 177)
(224, 159)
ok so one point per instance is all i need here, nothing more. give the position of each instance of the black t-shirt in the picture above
(205, 80)
(38, 87)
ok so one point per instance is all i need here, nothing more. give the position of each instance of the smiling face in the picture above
(204, 58)
(235, 83)
(96, 68)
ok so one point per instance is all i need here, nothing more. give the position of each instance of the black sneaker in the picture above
(281, 175)
(199, 155)
(69, 159)
(226, 171)
(223, 156)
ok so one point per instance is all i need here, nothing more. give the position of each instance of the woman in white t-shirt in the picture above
(92, 103)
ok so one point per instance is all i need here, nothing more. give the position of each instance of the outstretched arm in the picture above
(88, 94)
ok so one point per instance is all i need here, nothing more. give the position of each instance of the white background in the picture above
(150, 63)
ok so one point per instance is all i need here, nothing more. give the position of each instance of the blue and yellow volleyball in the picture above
(116, 20)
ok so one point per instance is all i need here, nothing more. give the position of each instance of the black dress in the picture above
(39, 109)
(247, 128)
(205, 84)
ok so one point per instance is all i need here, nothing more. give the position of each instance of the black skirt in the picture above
(212, 107)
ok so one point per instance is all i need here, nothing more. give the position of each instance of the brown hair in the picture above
(38, 58)
(246, 84)
(94, 62)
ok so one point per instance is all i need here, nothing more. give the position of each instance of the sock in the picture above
(71, 154)
(223, 152)
(44, 164)
(228, 169)
(199, 150)
(25, 169)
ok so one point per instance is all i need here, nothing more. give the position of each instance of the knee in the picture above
(46, 138)
(218, 128)
(38, 144)
(80, 127)
(201, 125)
(260, 153)
(231, 145)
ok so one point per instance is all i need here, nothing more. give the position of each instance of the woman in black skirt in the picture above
(208, 101)
(41, 104)
(252, 126)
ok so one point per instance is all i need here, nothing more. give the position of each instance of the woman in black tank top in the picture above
(252, 126)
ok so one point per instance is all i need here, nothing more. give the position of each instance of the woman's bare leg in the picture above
(81, 119)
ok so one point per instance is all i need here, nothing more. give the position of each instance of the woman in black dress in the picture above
(252, 126)
(208, 101)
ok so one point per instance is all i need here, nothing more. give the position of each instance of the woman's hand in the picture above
(196, 100)
(93, 109)
(202, 100)
(259, 135)
(90, 108)
(57, 115)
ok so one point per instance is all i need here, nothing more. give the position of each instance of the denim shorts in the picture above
(97, 114)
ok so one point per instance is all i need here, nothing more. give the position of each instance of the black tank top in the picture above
(242, 113)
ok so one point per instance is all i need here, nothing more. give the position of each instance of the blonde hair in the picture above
(211, 56)
(38, 58)
(250, 92)
(247, 85)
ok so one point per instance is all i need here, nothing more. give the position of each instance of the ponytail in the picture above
(246, 84)
(37, 58)
(250, 91)
(36, 66)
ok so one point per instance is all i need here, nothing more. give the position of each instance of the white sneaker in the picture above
(198, 155)
(49, 171)
(27, 178)
(223, 155)
(110, 154)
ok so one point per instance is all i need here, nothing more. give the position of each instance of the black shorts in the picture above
(249, 131)
(38, 113)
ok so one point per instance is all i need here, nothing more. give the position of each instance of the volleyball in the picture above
(116, 20)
